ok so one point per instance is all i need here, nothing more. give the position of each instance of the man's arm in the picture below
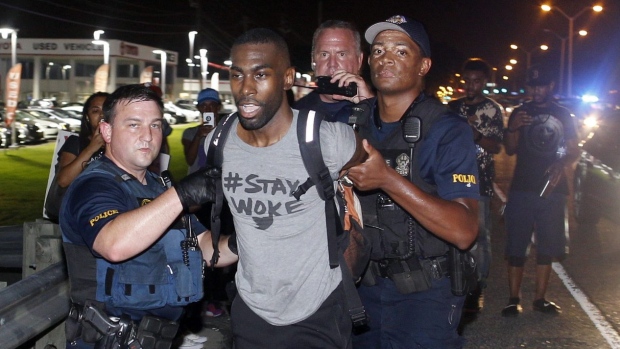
(192, 147)
(227, 257)
(518, 119)
(359, 156)
(132, 232)
(455, 221)
(492, 141)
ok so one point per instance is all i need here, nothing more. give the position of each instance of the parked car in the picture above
(75, 109)
(597, 175)
(173, 117)
(191, 115)
(50, 129)
(27, 132)
(57, 114)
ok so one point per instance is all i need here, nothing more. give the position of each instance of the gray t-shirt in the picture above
(283, 273)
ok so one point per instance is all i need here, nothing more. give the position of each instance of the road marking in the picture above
(604, 327)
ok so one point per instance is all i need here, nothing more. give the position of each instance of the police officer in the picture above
(129, 255)
(420, 198)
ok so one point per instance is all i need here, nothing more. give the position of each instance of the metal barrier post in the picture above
(42, 248)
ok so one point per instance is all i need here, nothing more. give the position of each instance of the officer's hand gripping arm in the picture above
(198, 188)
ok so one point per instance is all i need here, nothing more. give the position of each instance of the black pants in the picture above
(329, 327)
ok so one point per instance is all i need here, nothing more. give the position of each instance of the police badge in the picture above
(402, 164)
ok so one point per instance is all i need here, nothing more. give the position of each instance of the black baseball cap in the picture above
(539, 75)
(411, 27)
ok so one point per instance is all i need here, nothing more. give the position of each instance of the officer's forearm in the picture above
(455, 221)
(134, 231)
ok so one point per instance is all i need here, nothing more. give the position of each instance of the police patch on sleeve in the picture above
(102, 215)
(468, 179)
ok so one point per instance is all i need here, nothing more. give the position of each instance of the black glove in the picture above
(199, 187)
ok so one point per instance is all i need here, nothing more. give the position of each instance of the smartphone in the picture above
(329, 88)
(208, 118)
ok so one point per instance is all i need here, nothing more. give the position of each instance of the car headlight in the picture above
(590, 121)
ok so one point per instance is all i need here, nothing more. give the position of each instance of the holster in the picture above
(92, 325)
(76, 328)
(463, 272)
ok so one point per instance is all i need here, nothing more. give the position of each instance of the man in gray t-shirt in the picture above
(288, 294)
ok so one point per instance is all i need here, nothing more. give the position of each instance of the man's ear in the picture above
(106, 131)
(425, 67)
(289, 78)
(360, 61)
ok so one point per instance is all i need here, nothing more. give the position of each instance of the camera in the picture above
(332, 88)
(208, 119)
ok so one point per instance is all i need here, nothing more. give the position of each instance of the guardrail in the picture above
(32, 306)
(32, 310)
(11, 247)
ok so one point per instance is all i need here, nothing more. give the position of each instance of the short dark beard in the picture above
(268, 111)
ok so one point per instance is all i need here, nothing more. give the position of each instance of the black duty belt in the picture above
(437, 267)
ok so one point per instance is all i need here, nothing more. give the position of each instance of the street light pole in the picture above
(528, 54)
(106, 45)
(204, 62)
(5, 34)
(571, 31)
(563, 55)
(162, 76)
(97, 34)
(192, 36)
(106, 50)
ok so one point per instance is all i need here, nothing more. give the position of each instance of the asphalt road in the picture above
(590, 303)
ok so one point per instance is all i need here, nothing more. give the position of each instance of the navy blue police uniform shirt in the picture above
(447, 155)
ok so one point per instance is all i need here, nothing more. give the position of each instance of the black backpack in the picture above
(347, 247)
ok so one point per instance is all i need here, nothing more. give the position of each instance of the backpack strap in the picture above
(215, 158)
(308, 134)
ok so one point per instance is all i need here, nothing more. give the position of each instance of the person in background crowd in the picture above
(485, 116)
(193, 139)
(336, 52)
(79, 151)
(423, 203)
(542, 135)
(76, 153)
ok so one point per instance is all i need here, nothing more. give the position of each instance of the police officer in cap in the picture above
(421, 198)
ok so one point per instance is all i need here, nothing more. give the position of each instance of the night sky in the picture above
(458, 29)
